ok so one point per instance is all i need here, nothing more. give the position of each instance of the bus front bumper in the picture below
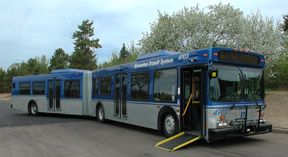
(221, 133)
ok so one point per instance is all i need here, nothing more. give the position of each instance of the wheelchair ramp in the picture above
(177, 141)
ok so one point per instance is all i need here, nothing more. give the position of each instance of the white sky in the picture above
(30, 28)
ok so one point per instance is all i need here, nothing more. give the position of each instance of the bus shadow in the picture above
(132, 127)
(225, 143)
(23, 119)
(65, 116)
(50, 118)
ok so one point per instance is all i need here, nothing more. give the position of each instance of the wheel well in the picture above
(162, 112)
(30, 102)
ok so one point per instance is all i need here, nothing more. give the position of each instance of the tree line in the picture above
(187, 29)
(83, 57)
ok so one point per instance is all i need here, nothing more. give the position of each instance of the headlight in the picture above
(262, 119)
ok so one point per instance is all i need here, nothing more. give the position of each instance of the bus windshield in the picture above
(235, 84)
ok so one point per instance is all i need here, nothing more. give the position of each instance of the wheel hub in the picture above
(169, 124)
(100, 113)
(33, 109)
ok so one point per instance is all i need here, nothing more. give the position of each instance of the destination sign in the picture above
(240, 57)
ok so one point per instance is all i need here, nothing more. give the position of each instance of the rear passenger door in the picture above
(54, 88)
(120, 94)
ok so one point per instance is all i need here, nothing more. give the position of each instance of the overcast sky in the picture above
(31, 28)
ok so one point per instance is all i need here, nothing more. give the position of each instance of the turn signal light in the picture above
(205, 54)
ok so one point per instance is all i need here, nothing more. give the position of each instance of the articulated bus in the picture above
(209, 94)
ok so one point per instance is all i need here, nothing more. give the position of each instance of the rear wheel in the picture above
(33, 109)
(170, 124)
(100, 114)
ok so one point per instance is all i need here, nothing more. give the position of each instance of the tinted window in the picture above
(72, 89)
(105, 86)
(165, 83)
(139, 86)
(38, 88)
(95, 86)
(24, 88)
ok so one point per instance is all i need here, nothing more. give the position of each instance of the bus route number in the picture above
(183, 56)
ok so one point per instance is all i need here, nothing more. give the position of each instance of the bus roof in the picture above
(166, 59)
(71, 73)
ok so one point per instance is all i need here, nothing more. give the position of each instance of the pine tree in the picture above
(285, 25)
(124, 54)
(84, 56)
(59, 60)
(2, 81)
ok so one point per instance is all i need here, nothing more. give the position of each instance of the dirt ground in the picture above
(277, 108)
(275, 113)
(5, 96)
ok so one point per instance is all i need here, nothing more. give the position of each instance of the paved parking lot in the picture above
(60, 135)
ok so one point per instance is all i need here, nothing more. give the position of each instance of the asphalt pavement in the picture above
(52, 135)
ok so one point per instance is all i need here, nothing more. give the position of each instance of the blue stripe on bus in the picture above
(233, 104)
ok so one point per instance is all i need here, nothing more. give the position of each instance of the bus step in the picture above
(177, 141)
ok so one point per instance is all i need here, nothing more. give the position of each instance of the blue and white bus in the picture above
(209, 94)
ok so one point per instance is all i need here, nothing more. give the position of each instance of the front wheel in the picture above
(100, 114)
(170, 125)
(33, 109)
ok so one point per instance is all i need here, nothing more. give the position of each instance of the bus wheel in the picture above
(33, 109)
(170, 125)
(100, 114)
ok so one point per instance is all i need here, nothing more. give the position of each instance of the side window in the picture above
(38, 88)
(105, 86)
(165, 83)
(95, 86)
(140, 86)
(72, 88)
(24, 88)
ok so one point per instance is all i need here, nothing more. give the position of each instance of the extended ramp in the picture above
(177, 141)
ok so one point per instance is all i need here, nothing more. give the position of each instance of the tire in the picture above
(100, 114)
(33, 109)
(170, 124)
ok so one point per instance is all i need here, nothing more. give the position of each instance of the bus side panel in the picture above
(20, 102)
(92, 106)
(146, 114)
(108, 108)
(88, 108)
(41, 102)
(138, 113)
(71, 106)
(143, 114)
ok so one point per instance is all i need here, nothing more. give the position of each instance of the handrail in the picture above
(188, 103)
